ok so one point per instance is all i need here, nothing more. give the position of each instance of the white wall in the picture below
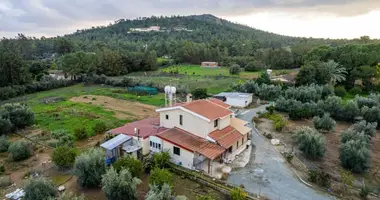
(190, 123)
(239, 102)
(185, 157)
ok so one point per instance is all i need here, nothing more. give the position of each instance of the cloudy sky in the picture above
(310, 18)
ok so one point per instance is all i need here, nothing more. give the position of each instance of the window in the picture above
(167, 116)
(242, 140)
(176, 151)
(151, 143)
(159, 146)
(230, 149)
(216, 123)
(180, 120)
(237, 144)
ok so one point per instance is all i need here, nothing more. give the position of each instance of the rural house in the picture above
(209, 64)
(201, 134)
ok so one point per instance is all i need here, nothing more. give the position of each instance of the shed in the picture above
(209, 64)
(235, 99)
(115, 145)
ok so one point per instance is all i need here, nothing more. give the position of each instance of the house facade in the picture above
(201, 133)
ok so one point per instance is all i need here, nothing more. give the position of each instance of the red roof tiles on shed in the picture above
(191, 142)
(147, 127)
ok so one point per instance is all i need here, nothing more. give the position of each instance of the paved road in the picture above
(267, 173)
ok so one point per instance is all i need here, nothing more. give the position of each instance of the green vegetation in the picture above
(133, 165)
(64, 156)
(234, 69)
(39, 189)
(160, 193)
(120, 185)
(67, 196)
(4, 144)
(278, 120)
(238, 194)
(160, 177)
(324, 123)
(310, 142)
(319, 177)
(199, 93)
(89, 168)
(20, 150)
(355, 156)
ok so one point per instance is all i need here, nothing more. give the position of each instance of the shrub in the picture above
(325, 123)
(365, 101)
(351, 134)
(162, 159)
(368, 128)
(63, 137)
(157, 193)
(100, 127)
(340, 91)
(304, 93)
(320, 178)
(5, 126)
(355, 156)
(89, 168)
(160, 177)
(205, 197)
(346, 178)
(39, 189)
(4, 144)
(331, 105)
(67, 196)
(269, 92)
(356, 90)
(263, 79)
(20, 150)
(364, 192)
(270, 109)
(5, 181)
(235, 69)
(2, 169)
(120, 186)
(310, 142)
(80, 133)
(371, 114)
(199, 93)
(128, 162)
(64, 156)
(238, 194)
(349, 111)
(278, 120)
(19, 115)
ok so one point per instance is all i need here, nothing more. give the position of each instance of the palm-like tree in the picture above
(335, 72)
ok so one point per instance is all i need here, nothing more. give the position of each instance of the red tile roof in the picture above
(191, 142)
(207, 109)
(219, 102)
(147, 127)
(226, 137)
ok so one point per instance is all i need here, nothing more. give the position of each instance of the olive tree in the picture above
(310, 142)
(157, 193)
(235, 69)
(89, 168)
(324, 123)
(5, 126)
(20, 150)
(39, 189)
(160, 177)
(19, 115)
(120, 186)
(355, 156)
(132, 164)
(371, 114)
(4, 144)
(63, 156)
(351, 134)
(367, 127)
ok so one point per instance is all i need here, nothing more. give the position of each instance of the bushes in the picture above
(39, 189)
(349, 111)
(310, 142)
(19, 115)
(278, 120)
(157, 193)
(263, 79)
(100, 127)
(89, 168)
(64, 138)
(4, 144)
(80, 133)
(134, 166)
(199, 93)
(340, 91)
(304, 93)
(325, 123)
(20, 150)
(238, 194)
(235, 69)
(160, 177)
(355, 156)
(120, 186)
(368, 129)
(320, 178)
(356, 90)
(162, 159)
(252, 66)
(354, 135)
(67, 196)
(5, 126)
(371, 114)
(205, 197)
(331, 105)
(63, 156)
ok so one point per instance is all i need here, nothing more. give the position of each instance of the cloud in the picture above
(51, 17)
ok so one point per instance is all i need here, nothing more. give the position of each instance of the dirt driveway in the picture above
(123, 109)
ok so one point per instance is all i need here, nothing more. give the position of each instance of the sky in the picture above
(306, 18)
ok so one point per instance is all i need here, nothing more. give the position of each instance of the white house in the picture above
(235, 99)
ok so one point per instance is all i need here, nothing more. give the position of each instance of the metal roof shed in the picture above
(115, 142)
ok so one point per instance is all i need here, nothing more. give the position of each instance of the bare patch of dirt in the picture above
(123, 109)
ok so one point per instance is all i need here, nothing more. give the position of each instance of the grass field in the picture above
(61, 113)
(196, 70)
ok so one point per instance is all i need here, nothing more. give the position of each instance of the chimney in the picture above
(189, 98)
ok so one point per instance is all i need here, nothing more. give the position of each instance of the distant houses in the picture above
(209, 64)
(158, 29)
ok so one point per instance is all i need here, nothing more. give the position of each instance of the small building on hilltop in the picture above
(235, 99)
(209, 64)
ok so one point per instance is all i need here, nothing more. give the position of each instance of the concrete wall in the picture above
(185, 157)
(190, 123)
(238, 102)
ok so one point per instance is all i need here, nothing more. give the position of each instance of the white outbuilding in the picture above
(235, 99)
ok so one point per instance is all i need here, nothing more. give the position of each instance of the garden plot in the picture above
(122, 109)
